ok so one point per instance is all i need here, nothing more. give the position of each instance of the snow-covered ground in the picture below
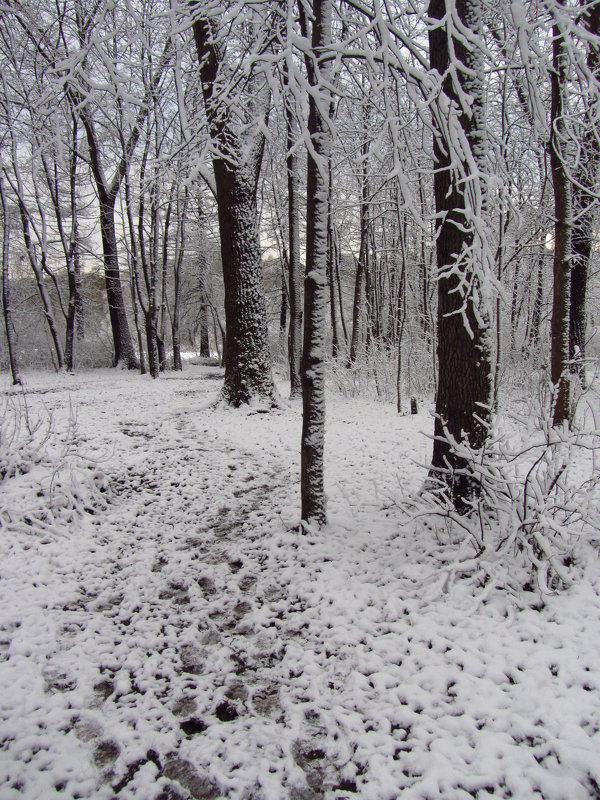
(166, 632)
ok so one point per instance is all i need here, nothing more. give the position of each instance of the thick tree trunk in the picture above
(559, 349)
(584, 202)
(315, 284)
(247, 355)
(581, 253)
(464, 359)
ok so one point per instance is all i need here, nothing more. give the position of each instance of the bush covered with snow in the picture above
(46, 482)
(535, 508)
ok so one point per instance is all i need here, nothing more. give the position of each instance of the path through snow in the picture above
(180, 639)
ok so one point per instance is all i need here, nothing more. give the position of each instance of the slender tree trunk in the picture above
(315, 285)
(6, 308)
(331, 255)
(136, 318)
(361, 267)
(338, 281)
(559, 350)
(514, 304)
(134, 278)
(538, 300)
(356, 307)
(177, 267)
(39, 279)
(400, 322)
(464, 359)
(423, 274)
(283, 308)
(295, 273)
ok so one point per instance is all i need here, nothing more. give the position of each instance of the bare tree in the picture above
(236, 127)
(318, 66)
(563, 228)
(464, 361)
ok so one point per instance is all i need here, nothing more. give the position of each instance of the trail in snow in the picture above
(184, 641)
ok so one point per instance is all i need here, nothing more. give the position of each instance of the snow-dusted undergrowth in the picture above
(173, 636)
(535, 518)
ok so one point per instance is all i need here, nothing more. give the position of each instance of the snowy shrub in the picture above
(374, 374)
(371, 374)
(45, 481)
(22, 439)
(538, 504)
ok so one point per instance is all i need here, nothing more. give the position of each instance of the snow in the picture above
(181, 638)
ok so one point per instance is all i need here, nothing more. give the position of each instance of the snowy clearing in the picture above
(166, 632)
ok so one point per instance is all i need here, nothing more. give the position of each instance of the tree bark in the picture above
(363, 255)
(122, 343)
(331, 263)
(559, 326)
(295, 276)
(584, 203)
(315, 284)
(247, 354)
(6, 308)
(464, 360)
(39, 279)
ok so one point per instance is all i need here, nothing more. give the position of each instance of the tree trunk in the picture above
(177, 265)
(315, 285)
(205, 307)
(536, 314)
(464, 359)
(361, 267)
(123, 346)
(559, 350)
(152, 343)
(39, 279)
(136, 320)
(134, 282)
(331, 256)
(283, 308)
(295, 275)
(584, 203)
(247, 354)
(6, 308)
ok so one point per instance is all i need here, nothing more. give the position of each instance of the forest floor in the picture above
(166, 631)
